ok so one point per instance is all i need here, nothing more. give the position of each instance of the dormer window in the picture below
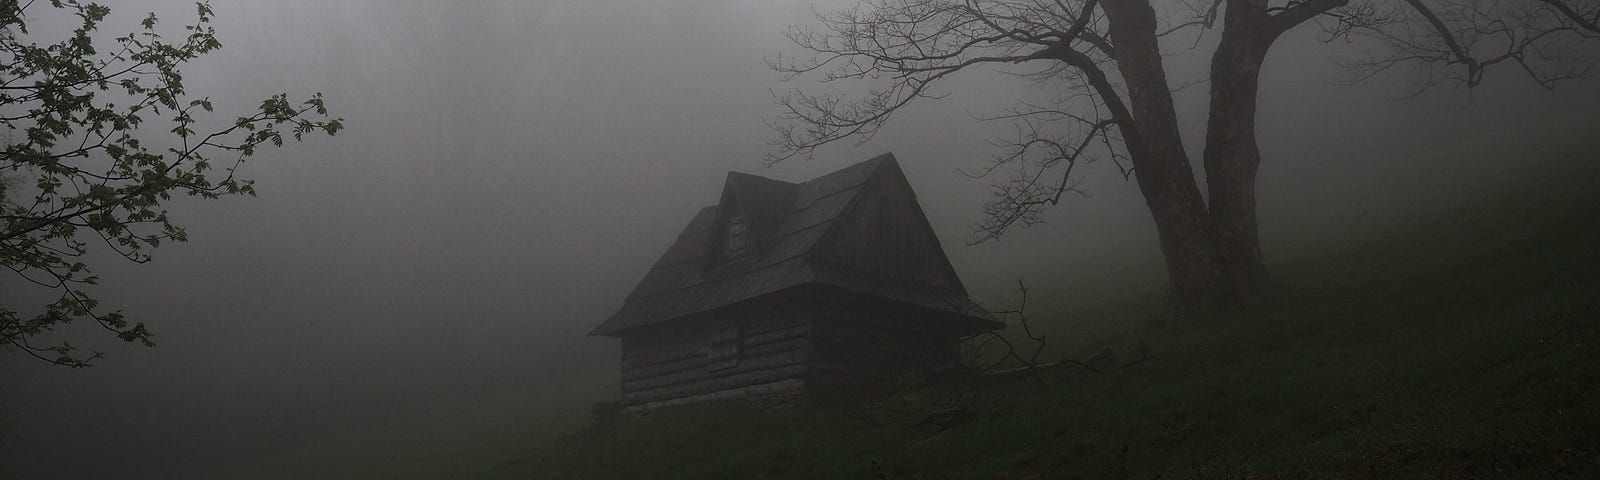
(738, 241)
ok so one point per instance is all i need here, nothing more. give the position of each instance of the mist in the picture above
(508, 173)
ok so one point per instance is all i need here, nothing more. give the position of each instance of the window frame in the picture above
(737, 242)
(724, 344)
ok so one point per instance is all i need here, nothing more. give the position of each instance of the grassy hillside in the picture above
(1441, 330)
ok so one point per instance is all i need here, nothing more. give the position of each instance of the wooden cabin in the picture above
(787, 290)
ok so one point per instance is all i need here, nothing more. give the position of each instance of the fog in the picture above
(509, 171)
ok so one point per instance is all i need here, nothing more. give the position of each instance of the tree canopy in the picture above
(99, 137)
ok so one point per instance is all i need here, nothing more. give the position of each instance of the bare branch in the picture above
(1460, 40)
(905, 47)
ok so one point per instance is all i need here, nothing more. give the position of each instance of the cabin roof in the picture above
(790, 222)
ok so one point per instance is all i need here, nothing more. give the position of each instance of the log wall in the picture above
(865, 346)
(821, 342)
(673, 364)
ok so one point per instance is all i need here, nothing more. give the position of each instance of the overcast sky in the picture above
(510, 169)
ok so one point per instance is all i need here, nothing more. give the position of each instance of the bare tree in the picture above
(1108, 53)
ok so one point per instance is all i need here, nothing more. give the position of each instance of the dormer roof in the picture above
(761, 202)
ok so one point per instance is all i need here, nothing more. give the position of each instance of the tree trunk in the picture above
(1161, 165)
(1231, 155)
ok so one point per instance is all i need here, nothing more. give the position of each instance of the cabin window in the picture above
(738, 237)
(723, 345)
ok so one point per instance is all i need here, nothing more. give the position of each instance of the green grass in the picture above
(452, 442)
(1453, 337)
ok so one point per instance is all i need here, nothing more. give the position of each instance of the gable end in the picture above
(884, 236)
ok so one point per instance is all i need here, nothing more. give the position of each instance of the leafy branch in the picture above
(84, 163)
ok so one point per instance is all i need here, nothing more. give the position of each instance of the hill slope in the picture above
(1447, 338)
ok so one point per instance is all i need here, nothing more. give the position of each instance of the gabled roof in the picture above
(793, 225)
